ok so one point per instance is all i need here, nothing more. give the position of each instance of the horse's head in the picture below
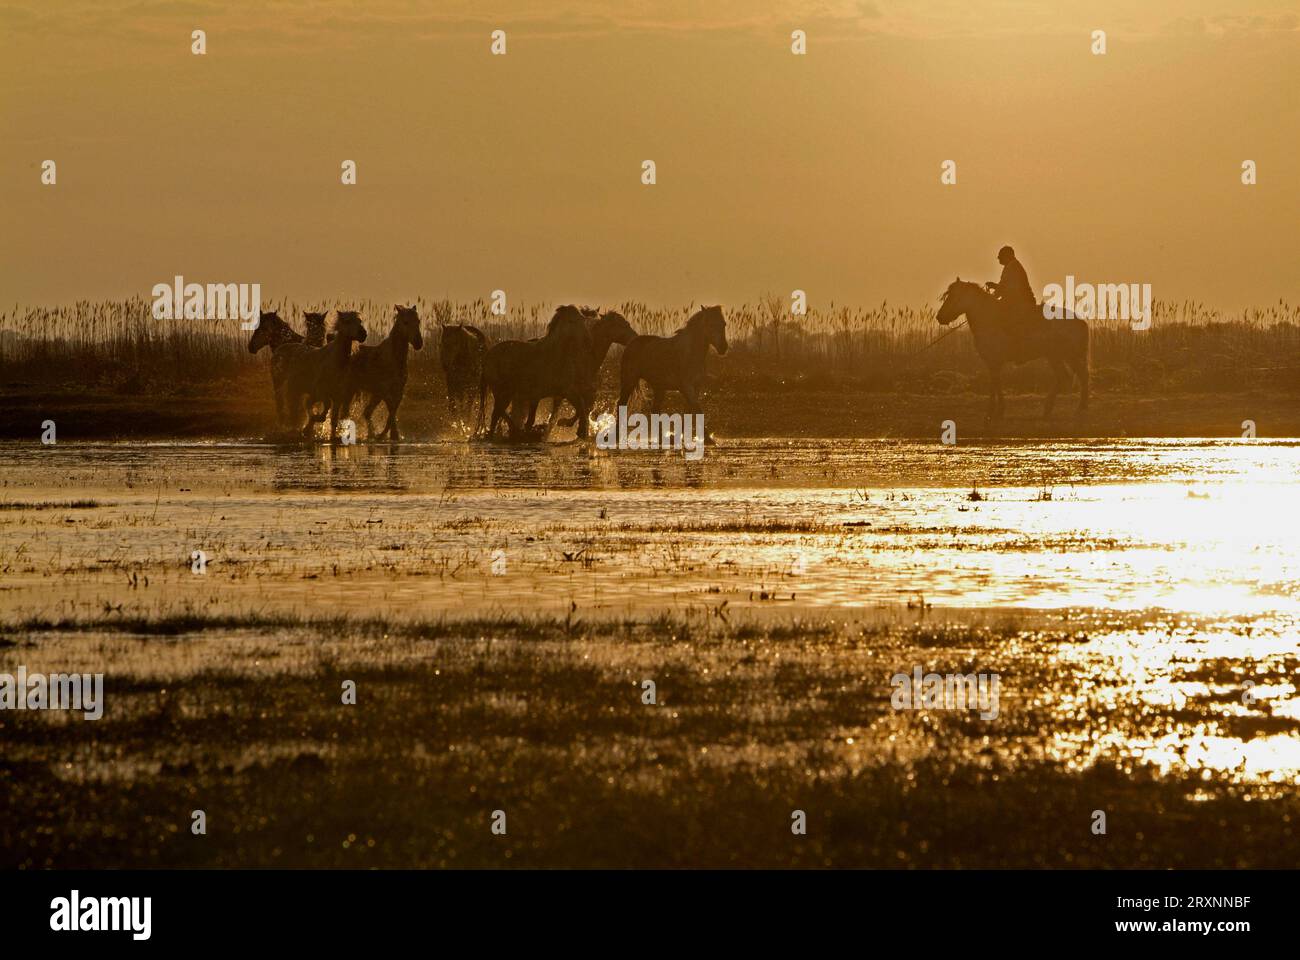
(315, 325)
(615, 326)
(957, 300)
(406, 323)
(712, 327)
(460, 343)
(271, 332)
(569, 324)
(348, 327)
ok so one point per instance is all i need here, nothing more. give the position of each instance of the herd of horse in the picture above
(319, 375)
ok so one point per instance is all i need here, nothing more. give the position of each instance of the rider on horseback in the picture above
(1014, 290)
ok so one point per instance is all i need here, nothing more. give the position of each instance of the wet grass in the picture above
(543, 718)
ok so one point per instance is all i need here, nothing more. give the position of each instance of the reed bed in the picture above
(1189, 347)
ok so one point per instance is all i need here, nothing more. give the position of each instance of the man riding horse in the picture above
(1013, 289)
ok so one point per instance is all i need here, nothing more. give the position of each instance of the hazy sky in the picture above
(522, 172)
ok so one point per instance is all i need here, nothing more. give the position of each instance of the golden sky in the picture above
(522, 172)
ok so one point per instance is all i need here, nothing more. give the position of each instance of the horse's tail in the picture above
(482, 396)
(1087, 360)
(629, 370)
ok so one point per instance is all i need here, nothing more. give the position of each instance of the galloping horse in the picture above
(521, 372)
(275, 333)
(674, 363)
(1001, 338)
(380, 371)
(605, 330)
(460, 351)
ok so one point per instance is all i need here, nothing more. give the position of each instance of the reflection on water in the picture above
(1173, 566)
(753, 463)
(1206, 528)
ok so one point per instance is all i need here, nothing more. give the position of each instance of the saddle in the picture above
(1026, 329)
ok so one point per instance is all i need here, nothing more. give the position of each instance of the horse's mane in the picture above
(609, 316)
(342, 315)
(700, 318)
(963, 283)
(566, 314)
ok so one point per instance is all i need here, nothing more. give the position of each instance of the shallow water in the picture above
(1201, 527)
(1144, 580)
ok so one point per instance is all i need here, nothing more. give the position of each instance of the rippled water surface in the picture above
(1172, 568)
(1185, 526)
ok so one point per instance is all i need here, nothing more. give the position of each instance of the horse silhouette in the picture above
(673, 363)
(460, 351)
(605, 330)
(380, 371)
(314, 324)
(521, 372)
(275, 333)
(320, 374)
(1004, 334)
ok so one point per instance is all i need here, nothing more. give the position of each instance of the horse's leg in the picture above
(367, 413)
(283, 411)
(482, 405)
(582, 413)
(1080, 366)
(390, 427)
(453, 391)
(281, 406)
(497, 413)
(308, 409)
(556, 403)
(624, 395)
(995, 393)
(1058, 370)
(514, 421)
(693, 405)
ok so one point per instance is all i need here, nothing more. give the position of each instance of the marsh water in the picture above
(1188, 527)
(1172, 566)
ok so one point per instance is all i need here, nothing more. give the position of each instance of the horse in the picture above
(604, 330)
(274, 333)
(380, 371)
(314, 324)
(320, 374)
(674, 363)
(521, 372)
(460, 351)
(1000, 339)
